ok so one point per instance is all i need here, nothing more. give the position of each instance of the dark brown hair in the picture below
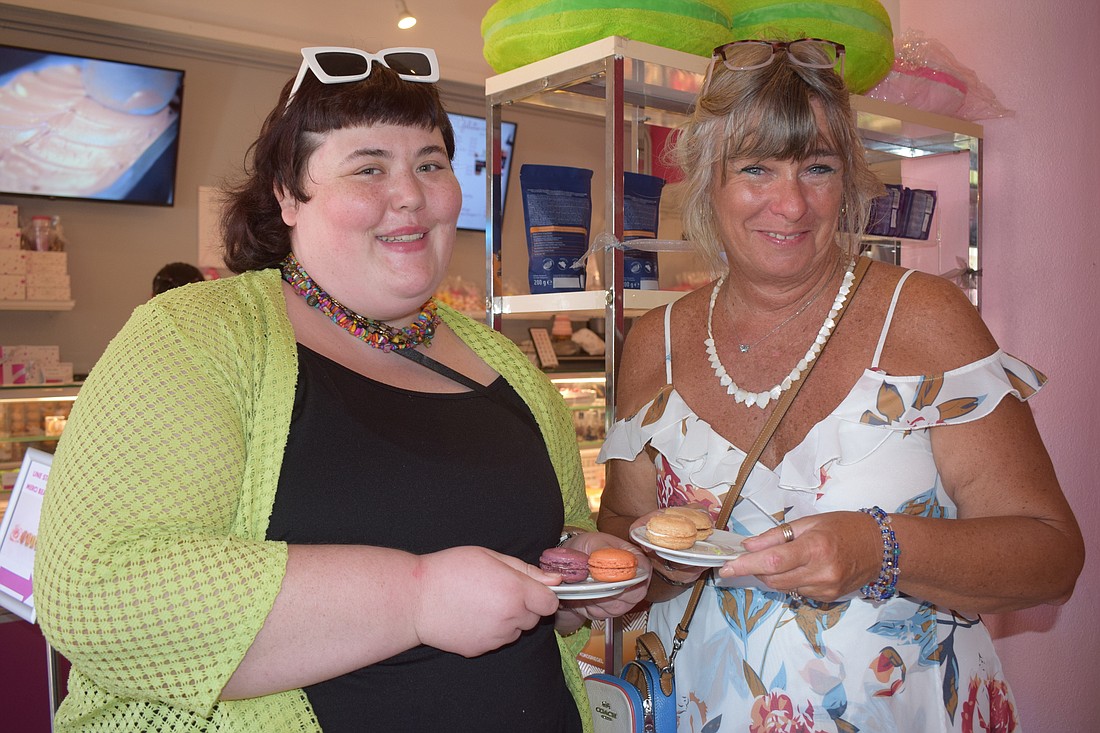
(175, 274)
(252, 226)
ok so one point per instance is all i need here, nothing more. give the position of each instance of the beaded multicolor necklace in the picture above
(376, 334)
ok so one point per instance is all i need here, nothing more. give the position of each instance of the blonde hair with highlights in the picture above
(767, 113)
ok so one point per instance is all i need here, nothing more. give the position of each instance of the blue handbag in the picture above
(635, 701)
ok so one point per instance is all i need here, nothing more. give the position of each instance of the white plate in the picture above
(709, 553)
(594, 589)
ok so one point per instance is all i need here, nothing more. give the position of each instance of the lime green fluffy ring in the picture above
(863, 26)
(519, 32)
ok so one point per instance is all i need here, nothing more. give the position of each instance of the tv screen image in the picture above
(88, 128)
(470, 164)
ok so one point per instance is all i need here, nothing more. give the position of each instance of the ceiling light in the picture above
(405, 19)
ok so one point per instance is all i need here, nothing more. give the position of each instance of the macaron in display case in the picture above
(585, 395)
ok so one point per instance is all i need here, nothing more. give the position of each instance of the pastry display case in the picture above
(585, 395)
(31, 416)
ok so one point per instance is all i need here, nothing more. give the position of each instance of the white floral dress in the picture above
(754, 662)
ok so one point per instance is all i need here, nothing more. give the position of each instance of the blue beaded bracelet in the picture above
(885, 586)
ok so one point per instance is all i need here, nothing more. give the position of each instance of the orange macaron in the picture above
(610, 564)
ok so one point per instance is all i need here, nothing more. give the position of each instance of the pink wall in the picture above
(1041, 244)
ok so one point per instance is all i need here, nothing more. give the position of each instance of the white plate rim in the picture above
(587, 589)
(692, 556)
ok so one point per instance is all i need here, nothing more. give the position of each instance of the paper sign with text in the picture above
(19, 534)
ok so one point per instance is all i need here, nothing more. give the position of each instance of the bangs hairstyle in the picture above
(767, 113)
(252, 226)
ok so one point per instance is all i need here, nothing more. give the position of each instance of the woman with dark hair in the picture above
(273, 510)
(175, 274)
(904, 493)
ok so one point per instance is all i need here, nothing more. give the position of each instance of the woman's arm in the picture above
(345, 607)
(1015, 542)
(630, 495)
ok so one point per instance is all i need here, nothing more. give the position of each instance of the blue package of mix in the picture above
(641, 212)
(557, 212)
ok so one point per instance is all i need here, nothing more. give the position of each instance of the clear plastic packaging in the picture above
(926, 75)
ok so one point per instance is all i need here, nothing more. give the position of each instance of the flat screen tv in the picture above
(77, 127)
(470, 163)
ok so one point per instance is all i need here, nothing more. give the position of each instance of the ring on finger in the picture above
(668, 566)
(788, 532)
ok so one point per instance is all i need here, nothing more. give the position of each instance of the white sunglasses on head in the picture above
(339, 65)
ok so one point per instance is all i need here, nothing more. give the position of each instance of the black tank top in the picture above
(423, 472)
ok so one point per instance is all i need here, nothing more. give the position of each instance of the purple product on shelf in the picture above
(883, 221)
(917, 222)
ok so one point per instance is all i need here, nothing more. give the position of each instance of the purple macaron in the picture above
(571, 565)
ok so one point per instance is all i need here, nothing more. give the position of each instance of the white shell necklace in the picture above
(762, 399)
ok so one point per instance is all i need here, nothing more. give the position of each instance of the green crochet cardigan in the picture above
(153, 574)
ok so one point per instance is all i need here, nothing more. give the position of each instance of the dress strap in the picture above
(889, 318)
(668, 344)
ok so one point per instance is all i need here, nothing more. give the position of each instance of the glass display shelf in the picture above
(39, 392)
(664, 83)
(37, 305)
(586, 303)
(31, 416)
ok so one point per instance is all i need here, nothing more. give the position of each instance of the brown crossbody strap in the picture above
(750, 460)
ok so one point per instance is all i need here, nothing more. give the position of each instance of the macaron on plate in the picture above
(603, 573)
(709, 553)
(588, 589)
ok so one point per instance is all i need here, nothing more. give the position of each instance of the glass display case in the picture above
(586, 397)
(31, 416)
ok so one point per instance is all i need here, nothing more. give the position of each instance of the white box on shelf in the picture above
(13, 262)
(51, 262)
(11, 238)
(13, 287)
(43, 354)
(9, 216)
(39, 279)
(48, 293)
(61, 373)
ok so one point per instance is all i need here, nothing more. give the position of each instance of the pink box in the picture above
(14, 373)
